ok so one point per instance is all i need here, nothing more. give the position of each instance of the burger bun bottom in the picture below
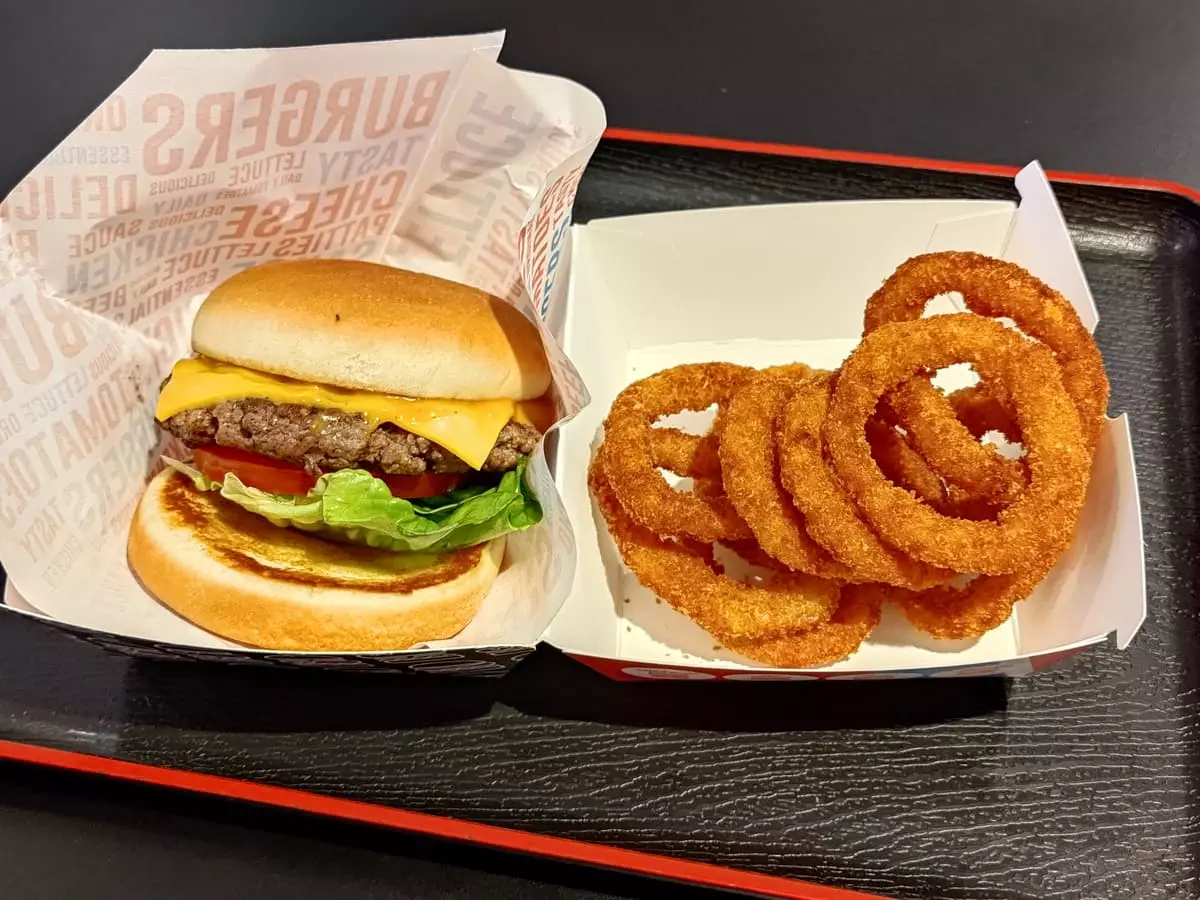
(235, 574)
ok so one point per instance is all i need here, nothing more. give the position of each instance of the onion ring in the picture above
(793, 370)
(695, 456)
(956, 614)
(749, 471)
(961, 505)
(684, 574)
(996, 288)
(752, 553)
(690, 455)
(857, 614)
(948, 446)
(981, 411)
(830, 516)
(646, 497)
(946, 612)
(1041, 521)
(903, 465)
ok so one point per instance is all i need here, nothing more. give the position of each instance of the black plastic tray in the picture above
(1079, 781)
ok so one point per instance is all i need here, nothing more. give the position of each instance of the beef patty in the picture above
(325, 440)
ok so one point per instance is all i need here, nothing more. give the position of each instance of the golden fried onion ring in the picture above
(684, 574)
(903, 465)
(955, 614)
(948, 446)
(690, 455)
(981, 410)
(695, 456)
(999, 289)
(830, 516)
(857, 614)
(645, 496)
(749, 472)
(1040, 522)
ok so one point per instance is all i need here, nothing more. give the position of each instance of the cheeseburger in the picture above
(357, 440)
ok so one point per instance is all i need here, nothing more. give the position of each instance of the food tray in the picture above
(1075, 781)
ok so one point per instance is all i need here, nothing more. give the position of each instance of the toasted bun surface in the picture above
(374, 328)
(235, 574)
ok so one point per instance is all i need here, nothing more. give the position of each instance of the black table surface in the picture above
(1089, 85)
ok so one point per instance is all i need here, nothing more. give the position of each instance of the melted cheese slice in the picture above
(467, 428)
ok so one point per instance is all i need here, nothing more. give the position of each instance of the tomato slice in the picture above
(253, 469)
(277, 477)
(427, 484)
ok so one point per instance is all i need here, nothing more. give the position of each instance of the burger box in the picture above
(422, 154)
(493, 159)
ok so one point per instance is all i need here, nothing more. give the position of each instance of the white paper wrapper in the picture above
(426, 154)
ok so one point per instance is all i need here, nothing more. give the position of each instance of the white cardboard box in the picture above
(771, 284)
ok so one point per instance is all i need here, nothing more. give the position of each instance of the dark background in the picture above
(1103, 86)
(1096, 85)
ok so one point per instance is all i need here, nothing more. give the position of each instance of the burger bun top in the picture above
(374, 328)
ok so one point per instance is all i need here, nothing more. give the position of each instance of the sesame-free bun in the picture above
(235, 574)
(374, 328)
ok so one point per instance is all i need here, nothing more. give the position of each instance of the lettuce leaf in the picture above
(353, 506)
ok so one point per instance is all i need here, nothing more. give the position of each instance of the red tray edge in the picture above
(514, 840)
(492, 836)
(897, 161)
